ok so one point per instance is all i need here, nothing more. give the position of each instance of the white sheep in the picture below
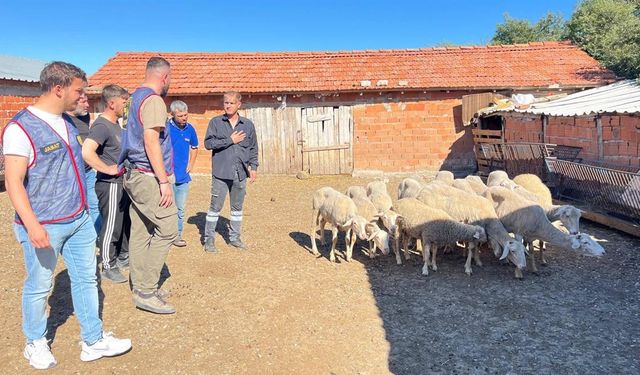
(529, 222)
(377, 192)
(331, 206)
(378, 238)
(432, 227)
(409, 188)
(445, 176)
(356, 191)
(474, 209)
(567, 214)
(500, 178)
(464, 185)
(476, 184)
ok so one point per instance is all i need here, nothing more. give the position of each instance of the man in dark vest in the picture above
(45, 180)
(146, 154)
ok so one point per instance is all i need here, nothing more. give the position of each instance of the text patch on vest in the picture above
(50, 148)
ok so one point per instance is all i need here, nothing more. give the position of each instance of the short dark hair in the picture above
(157, 62)
(59, 73)
(113, 91)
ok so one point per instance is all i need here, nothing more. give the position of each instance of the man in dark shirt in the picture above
(81, 119)
(101, 150)
(232, 140)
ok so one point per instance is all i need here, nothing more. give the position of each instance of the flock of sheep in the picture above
(508, 214)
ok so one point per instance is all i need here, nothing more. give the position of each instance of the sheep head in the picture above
(389, 220)
(516, 253)
(480, 234)
(358, 226)
(570, 218)
(378, 236)
(584, 244)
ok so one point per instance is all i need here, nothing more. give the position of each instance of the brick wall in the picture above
(14, 96)
(523, 128)
(620, 135)
(10, 105)
(412, 136)
(575, 131)
(621, 138)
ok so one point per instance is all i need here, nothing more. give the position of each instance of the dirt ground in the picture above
(277, 309)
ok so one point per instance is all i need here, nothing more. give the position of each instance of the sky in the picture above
(88, 33)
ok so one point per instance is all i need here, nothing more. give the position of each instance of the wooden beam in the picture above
(327, 148)
(320, 117)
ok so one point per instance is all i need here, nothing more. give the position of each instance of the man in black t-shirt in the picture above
(81, 119)
(101, 150)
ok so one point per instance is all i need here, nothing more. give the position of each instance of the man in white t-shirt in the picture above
(45, 181)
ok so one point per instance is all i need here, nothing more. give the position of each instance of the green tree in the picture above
(609, 30)
(511, 31)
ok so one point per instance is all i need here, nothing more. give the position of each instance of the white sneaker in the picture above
(107, 346)
(39, 354)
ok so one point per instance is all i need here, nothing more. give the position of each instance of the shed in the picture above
(355, 112)
(599, 125)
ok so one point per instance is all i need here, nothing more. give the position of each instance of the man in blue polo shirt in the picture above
(185, 151)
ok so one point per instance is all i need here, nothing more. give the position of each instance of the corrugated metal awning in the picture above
(620, 97)
(20, 68)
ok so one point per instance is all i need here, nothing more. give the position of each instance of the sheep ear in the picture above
(373, 235)
(505, 253)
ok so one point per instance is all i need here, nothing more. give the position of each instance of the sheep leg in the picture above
(372, 249)
(323, 222)
(334, 241)
(405, 244)
(426, 247)
(434, 266)
(467, 264)
(350, 244)
(398, 248)
(532, 257)
(543, 249)
(476, 253)
(314, 226)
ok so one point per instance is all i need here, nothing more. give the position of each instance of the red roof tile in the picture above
(486, 67)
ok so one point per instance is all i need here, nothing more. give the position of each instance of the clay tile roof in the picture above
(557, 64)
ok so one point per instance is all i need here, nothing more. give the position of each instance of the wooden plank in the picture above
(332, 158)
(487, 140)
(493, 133)
(611, 222)
(320, 117)
(295, 118)
(346, 136)
(326, 148)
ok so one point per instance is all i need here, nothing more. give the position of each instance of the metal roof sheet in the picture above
(619, 97)
(20, 68)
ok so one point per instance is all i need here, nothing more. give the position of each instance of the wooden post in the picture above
(599, 135)
(545, 123)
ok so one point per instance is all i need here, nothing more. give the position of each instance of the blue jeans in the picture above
(180, 193)
(92, 199)
(76, 241)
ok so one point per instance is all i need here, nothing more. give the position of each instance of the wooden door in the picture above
(277, 130)
(326, 138)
